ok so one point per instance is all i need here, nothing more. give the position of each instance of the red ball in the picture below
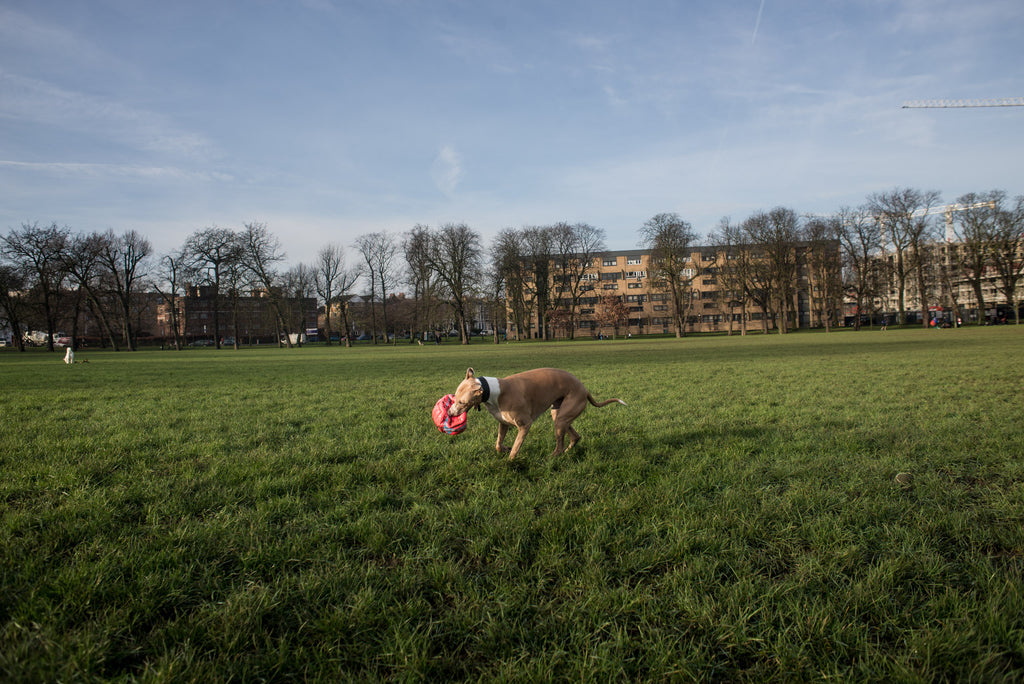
(451, 425)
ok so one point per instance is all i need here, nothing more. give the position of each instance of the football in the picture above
(450, 425)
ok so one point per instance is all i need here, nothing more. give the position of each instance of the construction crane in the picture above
(946, 210)
(948, 104)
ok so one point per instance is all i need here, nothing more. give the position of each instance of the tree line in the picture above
(50, 274)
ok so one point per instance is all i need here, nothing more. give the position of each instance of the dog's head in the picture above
(467, 395)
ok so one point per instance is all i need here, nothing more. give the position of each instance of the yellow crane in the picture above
(947, 104)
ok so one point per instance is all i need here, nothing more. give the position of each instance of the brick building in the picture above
(251, 317)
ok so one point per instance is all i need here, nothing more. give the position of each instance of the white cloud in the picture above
(446, 171)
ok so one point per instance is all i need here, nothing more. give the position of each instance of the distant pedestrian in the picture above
(69, 356)
(885, 324)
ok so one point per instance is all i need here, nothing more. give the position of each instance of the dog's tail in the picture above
(599, 404)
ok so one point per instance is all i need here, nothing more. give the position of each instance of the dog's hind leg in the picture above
(574, 437)
(562, 428)
(569, 409)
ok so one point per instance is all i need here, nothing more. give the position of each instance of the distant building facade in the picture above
(627, 278)
(249, 319)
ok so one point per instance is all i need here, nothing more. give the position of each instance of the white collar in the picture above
(491, 390)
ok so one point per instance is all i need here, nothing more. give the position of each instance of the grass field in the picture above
(294, 515)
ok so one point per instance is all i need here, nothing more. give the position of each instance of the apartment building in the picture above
(624, 280)
(948, 291)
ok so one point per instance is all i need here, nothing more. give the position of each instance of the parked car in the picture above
(201, 343)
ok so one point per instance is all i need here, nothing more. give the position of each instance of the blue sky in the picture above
(326, 119)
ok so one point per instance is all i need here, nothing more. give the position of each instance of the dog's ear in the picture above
(469, 373)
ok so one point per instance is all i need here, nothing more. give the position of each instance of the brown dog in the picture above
(520, 399)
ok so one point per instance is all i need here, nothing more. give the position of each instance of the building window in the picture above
(611, 286)
(633, 261)
(611, 261)
(634, 286)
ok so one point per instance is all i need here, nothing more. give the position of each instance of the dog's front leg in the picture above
(502, 431)
(521, 431)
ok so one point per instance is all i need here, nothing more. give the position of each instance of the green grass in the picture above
(293, 514)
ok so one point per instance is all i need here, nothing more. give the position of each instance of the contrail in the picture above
(757, 24)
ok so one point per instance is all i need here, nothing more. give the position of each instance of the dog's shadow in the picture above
(528, 463)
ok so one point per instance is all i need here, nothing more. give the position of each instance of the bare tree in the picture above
(378, 251)
(261, 253)
(671, 241)
(1007, 247)
(903, 215)
(123, 258)
(509, 262)
(235, 280)
(538, 246)
(39, 252)
(424, 280)
(299, 286)
(328, 273)
(575, 248)
(169, 282)
(212, 250)
(12, 305)
(82, 261)
(775, 235)
(496, 297)
(825, 291)
(860, 237)
(387, 275)
(734, 272)
(455, 255)
(975, 228)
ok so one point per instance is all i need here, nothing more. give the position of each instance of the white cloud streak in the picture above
(446, 171)
(42, 103)
(96, 171)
